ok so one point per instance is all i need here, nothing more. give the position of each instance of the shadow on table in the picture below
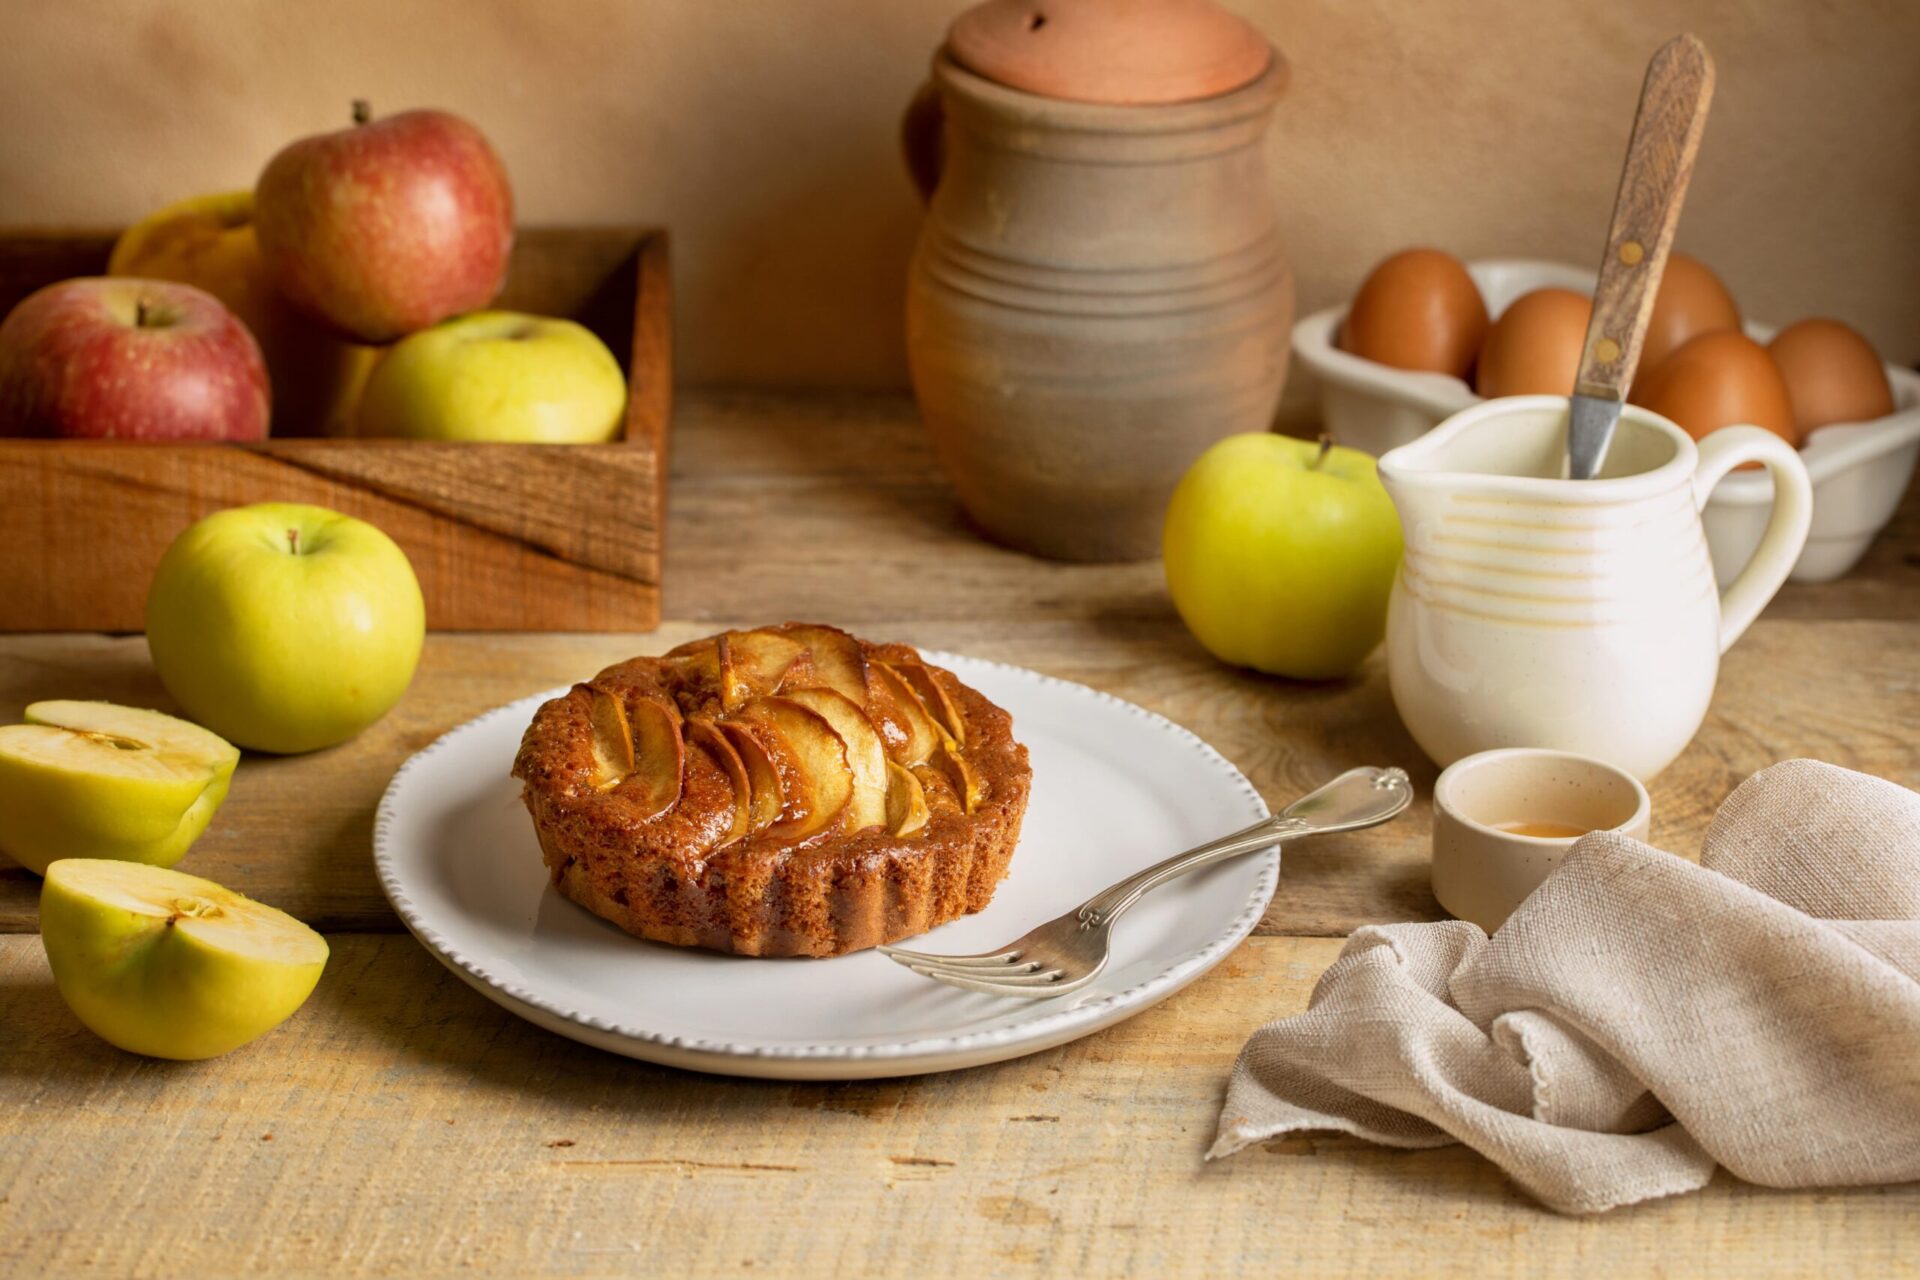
(432, 1023)
(435, 1031)
(1458, 1182)
(43, 1040)
(1467, 1180)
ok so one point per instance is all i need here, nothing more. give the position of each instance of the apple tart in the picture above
(785, 791)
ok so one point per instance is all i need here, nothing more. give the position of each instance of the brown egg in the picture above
(1691, 300)
(1534, 347)
(1833, 374)
(1719, 379)
(1418, 310)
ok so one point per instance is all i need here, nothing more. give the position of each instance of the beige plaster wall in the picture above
(762, 133)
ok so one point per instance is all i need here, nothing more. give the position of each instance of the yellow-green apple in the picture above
(209, 242)
(1280, 554)
(497, 375)
(167, 964)
(95, 780)
(99, 358)
(285, 627)
(388, 226)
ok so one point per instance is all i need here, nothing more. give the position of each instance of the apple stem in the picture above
(140, 314)
(362, 111)
(1326, 447)
(293, 541)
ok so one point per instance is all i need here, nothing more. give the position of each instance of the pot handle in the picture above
(923, 140)
(1786, 534)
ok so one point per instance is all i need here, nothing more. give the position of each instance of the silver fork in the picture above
(1068, 952)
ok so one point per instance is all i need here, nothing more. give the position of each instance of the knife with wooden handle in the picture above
(1653, 186)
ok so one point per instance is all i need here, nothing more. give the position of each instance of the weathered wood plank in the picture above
(418, 1130)
(499, 535)
(502, 536)
(790, 505)
(295, 831)
(401, 1125)
(830, 507)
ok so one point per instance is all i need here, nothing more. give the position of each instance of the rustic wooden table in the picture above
(401, 1124)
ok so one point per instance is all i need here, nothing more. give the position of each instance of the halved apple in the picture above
(754, 663)
(819, 786)
(170, 965)
(839, 663)
(612, 738)
(923, 734)
(92, 779)
(866, 757)
(934, 696)
(966, 783)
(906, 801)
(707, 736)
(762, 777)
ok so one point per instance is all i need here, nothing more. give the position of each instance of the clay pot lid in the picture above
(1122, 52)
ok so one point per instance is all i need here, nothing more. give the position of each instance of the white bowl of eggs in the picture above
(1423, 319)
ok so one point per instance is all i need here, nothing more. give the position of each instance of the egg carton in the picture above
(1859, 470)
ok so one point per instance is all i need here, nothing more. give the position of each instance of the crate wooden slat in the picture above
(503, 537)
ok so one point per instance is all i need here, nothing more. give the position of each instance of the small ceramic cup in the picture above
(1481, 872)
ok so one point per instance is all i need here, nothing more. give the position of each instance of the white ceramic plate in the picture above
(1115, 788)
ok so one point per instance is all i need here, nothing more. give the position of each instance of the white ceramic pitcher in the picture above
(1577, 615)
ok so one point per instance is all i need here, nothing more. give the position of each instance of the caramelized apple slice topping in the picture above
(693, 649)
(612, 739)
(659, 757)
(883, 708)
(866, 756)
(934, 696)
(839, 663)
(707, 736)
(753, 664)
(906, 801)
(923, 734)
(763, 777)
(819, 785)
(692, 669)
(966, 783)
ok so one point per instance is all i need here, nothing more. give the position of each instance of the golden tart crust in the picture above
(685, 875)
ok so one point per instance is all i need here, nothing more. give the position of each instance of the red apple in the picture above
(130, 359)
(388, 227)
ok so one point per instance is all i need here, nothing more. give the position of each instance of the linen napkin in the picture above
(1640, 1019)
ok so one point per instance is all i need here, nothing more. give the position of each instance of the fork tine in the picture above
(991, 988)
(981, 968)
(991, 959)
(1045, 978)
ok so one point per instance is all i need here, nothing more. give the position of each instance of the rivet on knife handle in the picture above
(1646, 210)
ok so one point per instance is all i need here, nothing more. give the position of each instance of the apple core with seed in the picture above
(169, 965)
(91, 779)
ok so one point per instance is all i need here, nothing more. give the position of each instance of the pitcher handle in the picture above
(1786, 534)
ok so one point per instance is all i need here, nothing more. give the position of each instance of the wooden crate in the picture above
(502, 536)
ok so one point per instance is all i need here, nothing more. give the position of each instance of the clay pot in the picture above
(1099, 293)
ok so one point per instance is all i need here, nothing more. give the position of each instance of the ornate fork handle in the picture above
(1357, 798)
